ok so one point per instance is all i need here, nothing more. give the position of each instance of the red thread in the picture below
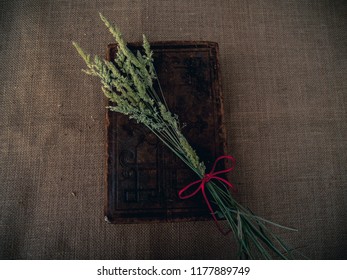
(204, 180)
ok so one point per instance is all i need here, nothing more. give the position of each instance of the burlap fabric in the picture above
(283, 69)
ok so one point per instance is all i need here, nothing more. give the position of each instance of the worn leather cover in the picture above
(143, 176)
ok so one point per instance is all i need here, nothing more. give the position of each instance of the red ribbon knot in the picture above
(208, 177)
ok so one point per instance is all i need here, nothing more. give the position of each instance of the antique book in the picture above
(143, 176)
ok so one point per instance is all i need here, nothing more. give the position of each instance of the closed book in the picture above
(143, 176)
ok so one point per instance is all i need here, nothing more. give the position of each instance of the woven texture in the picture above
(283, 67)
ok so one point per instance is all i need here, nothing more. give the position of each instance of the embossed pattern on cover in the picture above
(143, 176)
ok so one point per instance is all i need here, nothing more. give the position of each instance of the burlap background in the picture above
(283, 69)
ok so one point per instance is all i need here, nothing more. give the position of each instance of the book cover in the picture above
(143, 176)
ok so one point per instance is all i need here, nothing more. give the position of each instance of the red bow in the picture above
(204, 180)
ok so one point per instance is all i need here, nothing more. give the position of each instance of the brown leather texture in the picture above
(143, 175)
